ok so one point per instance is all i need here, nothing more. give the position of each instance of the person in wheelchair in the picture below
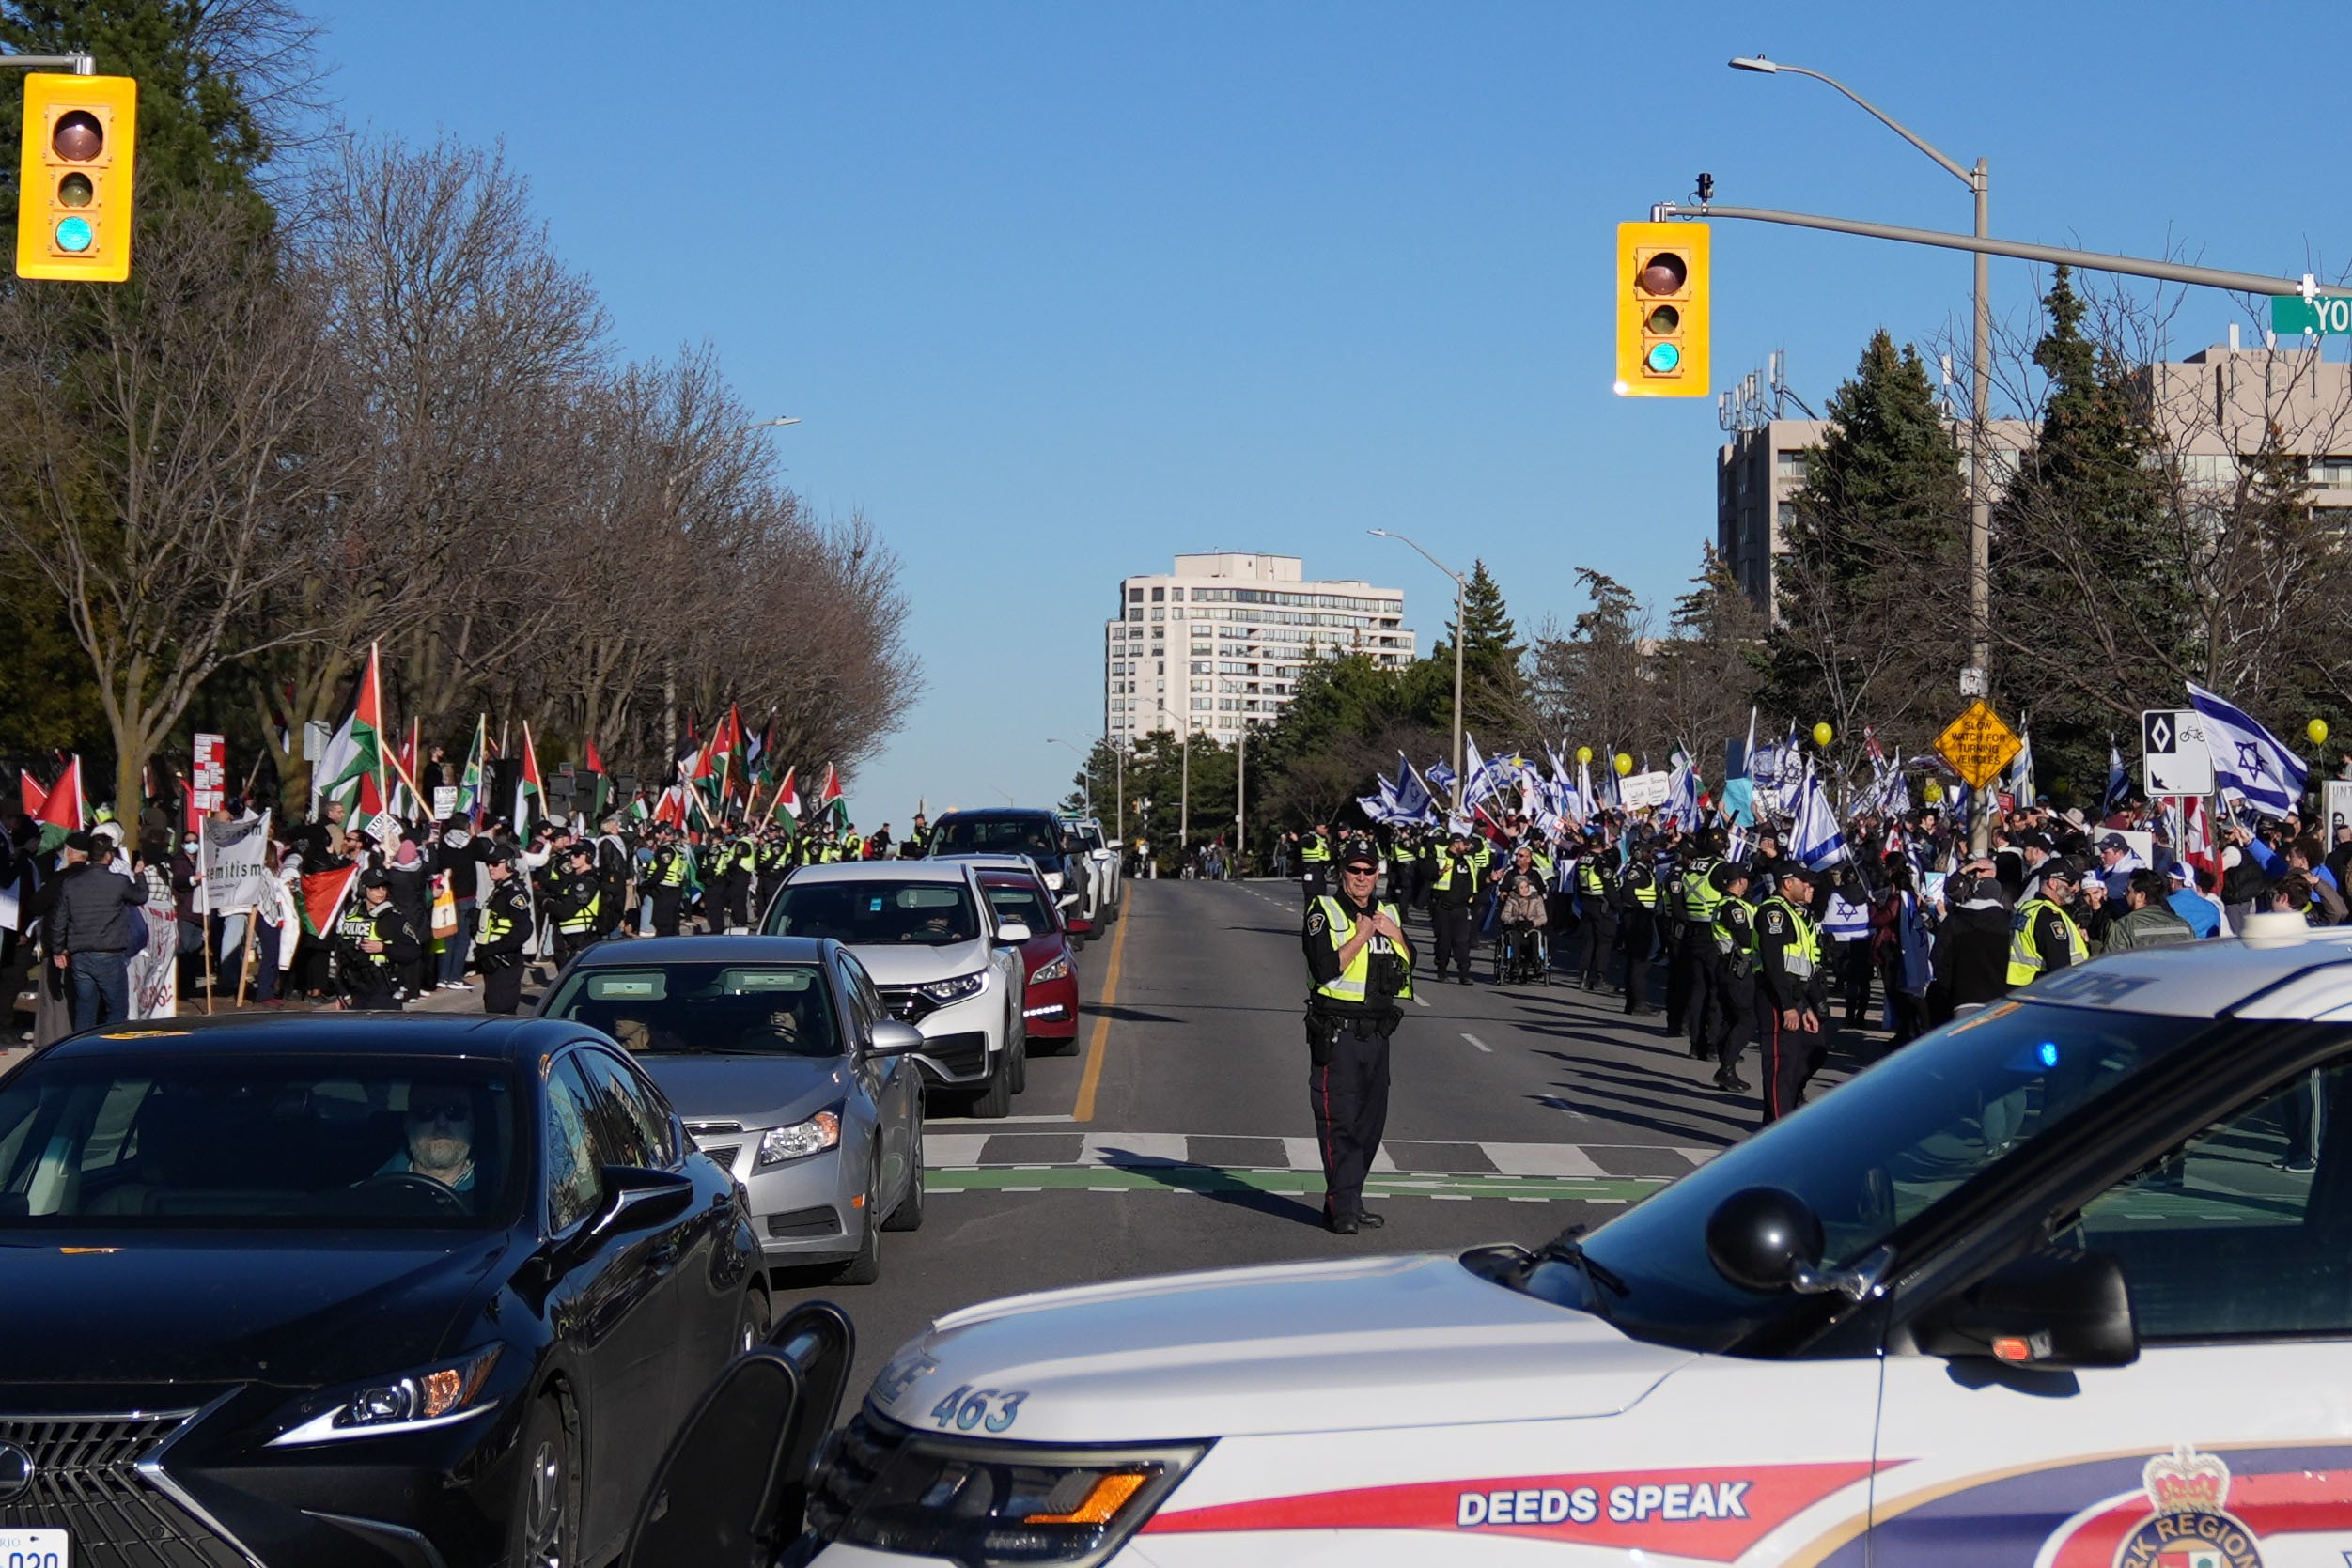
(1525, 911)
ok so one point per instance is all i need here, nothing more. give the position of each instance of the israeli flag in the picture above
(1441, 776)
(2250, 764)
(1814, 840)
(1410, 795)
(2118, 782)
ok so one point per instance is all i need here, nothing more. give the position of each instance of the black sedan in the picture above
(351, 1292)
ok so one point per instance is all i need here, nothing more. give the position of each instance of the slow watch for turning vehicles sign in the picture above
(2173, 755)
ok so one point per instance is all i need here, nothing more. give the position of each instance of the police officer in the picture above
(613, 861)
(1791, 991)
(1360, 968)
(1450, 895)
(1691, 973)
(1732, 942)
(667, 875)
(504, 926)
(1638, 901)
(1315, 861)
(1596, 891)
(577, 909)
(373, 942)
(2043, 936)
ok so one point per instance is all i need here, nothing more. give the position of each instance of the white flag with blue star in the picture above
(2250, 764)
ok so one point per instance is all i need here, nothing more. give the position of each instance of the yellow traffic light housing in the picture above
(1662, 285)
(73, 197)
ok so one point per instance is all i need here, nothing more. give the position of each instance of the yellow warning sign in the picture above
(1977, 744)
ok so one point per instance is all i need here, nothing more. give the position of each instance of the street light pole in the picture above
(1241, 791)
(1085, 771)
(1461, 589)
(1976, 680)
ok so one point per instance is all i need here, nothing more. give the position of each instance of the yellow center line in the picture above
(1092, 1079)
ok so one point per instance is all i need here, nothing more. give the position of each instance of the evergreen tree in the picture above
(1493, 689)
(1710, 669)
(1871, 557)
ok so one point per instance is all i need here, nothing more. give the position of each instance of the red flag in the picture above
(324, 893)
(530, 790)
(29, 791)
(596, 763)
(671, 807)
(62, 807)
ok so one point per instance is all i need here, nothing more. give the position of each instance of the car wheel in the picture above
(908, 1216)
(865, 1265)
(995, 1097)
(543, 1530)
(750, 1324)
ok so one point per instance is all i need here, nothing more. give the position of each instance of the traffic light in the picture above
(73, 199)
(1661, 287)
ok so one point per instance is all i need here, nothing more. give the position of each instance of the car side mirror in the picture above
(893, 1037)
(1011, 933)
(636, 1199)
(1765, 1240)
(2050, 1310)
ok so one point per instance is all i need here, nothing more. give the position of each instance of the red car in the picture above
(1049, 954)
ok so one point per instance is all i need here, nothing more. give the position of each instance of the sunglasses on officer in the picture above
(1358, 869)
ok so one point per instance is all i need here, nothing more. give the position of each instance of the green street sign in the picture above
(2291, 314)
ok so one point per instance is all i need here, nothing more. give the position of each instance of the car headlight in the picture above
(1058, 970)
(820, 1132)
(956, 987)
(992, 1505)
(435, 1396)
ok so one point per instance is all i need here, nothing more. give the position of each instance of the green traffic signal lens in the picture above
(75, 235)
(1665, 319)
(1662, 359)
(75, 190)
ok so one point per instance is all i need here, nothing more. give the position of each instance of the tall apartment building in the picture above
(1216, 643)
(2213, 411)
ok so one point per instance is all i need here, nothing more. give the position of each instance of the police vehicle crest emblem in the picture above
(2191, 1527)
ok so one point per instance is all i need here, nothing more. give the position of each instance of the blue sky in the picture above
(1060, 288)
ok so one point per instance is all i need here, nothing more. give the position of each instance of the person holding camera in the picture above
(1360, 968)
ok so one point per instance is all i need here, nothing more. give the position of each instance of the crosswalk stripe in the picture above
(1016, 1150)
(1133, 1148)
(953, 1148)
(1541, 1160)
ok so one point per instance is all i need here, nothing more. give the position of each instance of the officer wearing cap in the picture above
(373, 942)
(1637, 900)
(2042, 935)
(1596, 894)
(577, 907)
(1360, 968)
(1791, 991)
(667, 875)
(505, 927)
(1315, 861)
(1731, 939)
(1450, 894)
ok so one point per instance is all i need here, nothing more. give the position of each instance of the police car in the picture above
(2067, 1284)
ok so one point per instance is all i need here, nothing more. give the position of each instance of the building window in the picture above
(1790, 465)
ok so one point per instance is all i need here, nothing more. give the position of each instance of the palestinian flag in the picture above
(409, 800)
(469, 783)
(830, 802)
(62, 808)
(733, 773)
(353, 766)
(671, 807)
(786, 808)
(530, 789)
(688, 756)
(29, 792)
(324, 893)
(637, 810)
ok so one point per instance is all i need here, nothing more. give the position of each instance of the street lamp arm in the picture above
(1385, 534)
(1776, 68)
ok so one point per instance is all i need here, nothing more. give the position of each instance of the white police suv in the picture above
(2066, 1284)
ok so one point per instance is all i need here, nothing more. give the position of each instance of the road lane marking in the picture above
(1132, 1148)
(1304, 1154)
(1541, 1160)
(1092, 1079)
(994, 1121)
(952, 1148)
(1205, 1180)
(1480, 1044)
(1420, 1002)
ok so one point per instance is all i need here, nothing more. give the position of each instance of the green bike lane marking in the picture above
(1216, 1179)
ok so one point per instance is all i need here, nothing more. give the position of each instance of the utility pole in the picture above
(1461, 589)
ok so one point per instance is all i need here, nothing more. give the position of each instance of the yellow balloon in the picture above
(1584, 754)
(1625, 764)
(1934, 793)
(2318, 730)
(1822, 734)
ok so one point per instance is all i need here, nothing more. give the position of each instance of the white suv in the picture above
(938, 955)
(1086, 839)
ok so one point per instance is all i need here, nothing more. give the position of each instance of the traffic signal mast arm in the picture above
(2094, 261)
(81, 65)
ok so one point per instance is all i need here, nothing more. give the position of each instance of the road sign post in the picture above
(2173, 755)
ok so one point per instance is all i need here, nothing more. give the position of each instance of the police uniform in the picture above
(1314, 861)
(2043, 936)
(1596, 891)
(1691, 971)
(1352, 1009)
(368, 980)
(1450, 893)
(611, 875)
(1637, 899)
(1789, 977)
(576, 912)
(1732, 945)
(505, 926)
(668, 876)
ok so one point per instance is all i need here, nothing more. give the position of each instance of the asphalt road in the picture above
(1176, 1135)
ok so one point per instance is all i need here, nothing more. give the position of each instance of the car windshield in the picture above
(710, 1009)
(876, 913)
(1000, 835)
(1022, 904)
(316, 1140)
(1869, 1158)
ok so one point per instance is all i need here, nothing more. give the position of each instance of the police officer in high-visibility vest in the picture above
(1690, 973)
(1637, 900)
(1315, 861)
(671, 863)
(577, 907)
(1732, 946)
(1597, 895)
(1450, 895)
(373, 942)
(1791, 991)
(1360, 971)
(2042, 935)
(505, 927)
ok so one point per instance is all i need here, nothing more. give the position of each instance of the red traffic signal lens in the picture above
(77, 137)
(75, 190)
(1664, 272)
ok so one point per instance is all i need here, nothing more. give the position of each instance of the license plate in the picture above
(35, 1549)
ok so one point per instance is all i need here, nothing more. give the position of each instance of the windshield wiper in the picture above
(1565, 1248)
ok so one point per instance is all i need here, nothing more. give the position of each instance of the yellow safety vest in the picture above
(1314, 851)
(1647, 893)
(1728, 942)
(1588, 878)
(1801, 957)
(582, 918)
(1699, 897)
(673, 873)
(1353, 985)
(2025, 959)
